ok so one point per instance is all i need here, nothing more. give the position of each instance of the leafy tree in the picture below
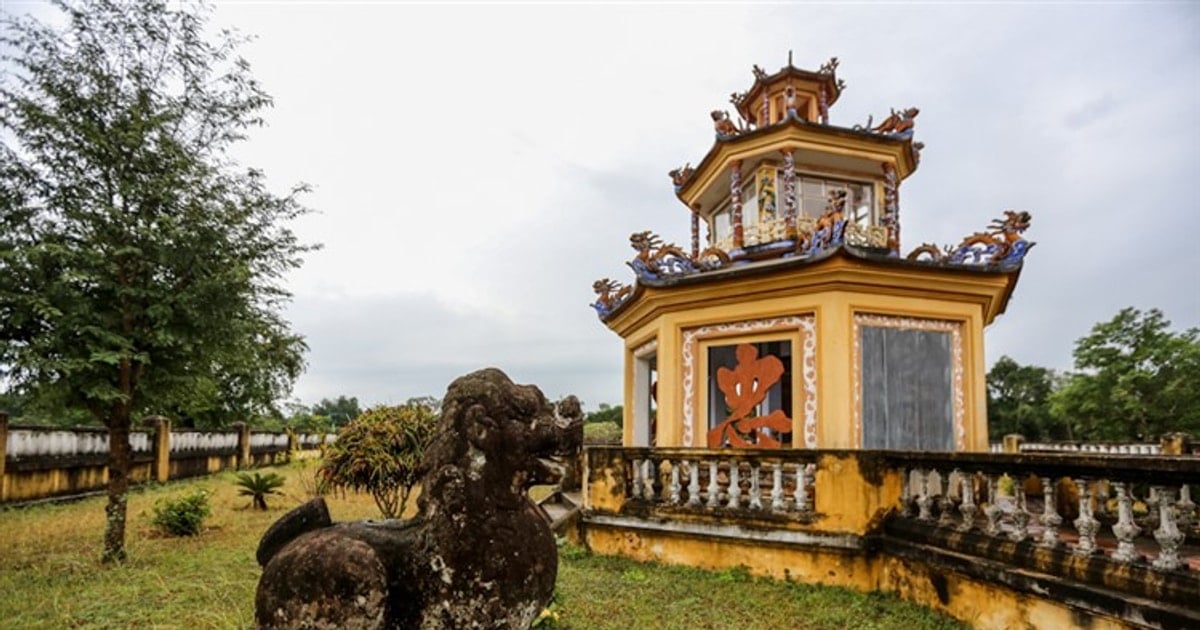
(380, 452)
(1018, 401)
(606, 413)
(1135, 379)
(140, 267)
(338, 411)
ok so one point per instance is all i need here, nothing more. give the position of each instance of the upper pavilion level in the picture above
(781, 182)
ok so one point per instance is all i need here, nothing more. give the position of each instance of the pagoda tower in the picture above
(796, 322)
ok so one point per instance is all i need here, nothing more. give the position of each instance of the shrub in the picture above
(314, 483)
(182, 516)
(380, 451)
(601, 432)
(258, 486)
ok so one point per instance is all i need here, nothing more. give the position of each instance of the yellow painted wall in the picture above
(38, 484)
(984, 605)
(810, 565)
(30, 485)
(833, 291)
(853, 492)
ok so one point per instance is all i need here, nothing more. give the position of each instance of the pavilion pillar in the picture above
(891, 207)
(695, 231)
(823, 106)
(735, 200)
(790, 205)
(1012, 443)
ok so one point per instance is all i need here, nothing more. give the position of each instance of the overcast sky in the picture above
(476, 167)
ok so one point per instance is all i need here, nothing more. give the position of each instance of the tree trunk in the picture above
(119, 463)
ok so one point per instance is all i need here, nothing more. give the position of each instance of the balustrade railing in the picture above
(41, 442)
(1127, 509)
(268, 441)
(1107, 448)
(187, 441)
(747, 481)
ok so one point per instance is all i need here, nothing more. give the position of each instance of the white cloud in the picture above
(476, 167)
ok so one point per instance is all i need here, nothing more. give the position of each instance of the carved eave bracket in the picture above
(899, 124)
(1001, 245)
(656, 260)
(681, 176)
(609, 295)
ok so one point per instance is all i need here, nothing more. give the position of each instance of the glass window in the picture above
(764, 200)
(814, 198)
(749, 204)
(722, 226)
(860, 208)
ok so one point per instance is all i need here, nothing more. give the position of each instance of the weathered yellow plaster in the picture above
(832, 291)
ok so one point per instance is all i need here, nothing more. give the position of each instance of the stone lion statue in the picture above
(479, 553)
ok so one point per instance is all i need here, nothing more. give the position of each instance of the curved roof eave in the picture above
(827, 78)
(892, 141)
(756, 268)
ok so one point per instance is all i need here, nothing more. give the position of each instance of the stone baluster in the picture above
(1125, 529)
(1086, 524)
(905, 492)
(924, 500)
(675, 487)
(635, 490)
(1100, 491)
(1020, 515)
(1168, 535)
(967, 508)
(649, 476)
(777, 487)
(945, 501)
(1151, 507)
(801, 492)
(992, 511)
(1050, 519)
(1185, 509)
(714, 490)
(735, 485)
(755, 489)
(693, 484)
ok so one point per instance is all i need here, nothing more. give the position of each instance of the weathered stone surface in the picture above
(306, 518)
(478, 555)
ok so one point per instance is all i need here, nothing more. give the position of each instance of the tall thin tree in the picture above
(140, 266)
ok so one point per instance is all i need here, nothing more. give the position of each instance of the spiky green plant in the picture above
(258, 486)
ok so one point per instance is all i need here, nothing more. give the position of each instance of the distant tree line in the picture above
(1134, 380)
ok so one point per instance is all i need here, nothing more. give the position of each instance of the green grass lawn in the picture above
(51, 577)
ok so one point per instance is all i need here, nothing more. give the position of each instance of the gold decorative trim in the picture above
(806, 324)
(910, 323)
